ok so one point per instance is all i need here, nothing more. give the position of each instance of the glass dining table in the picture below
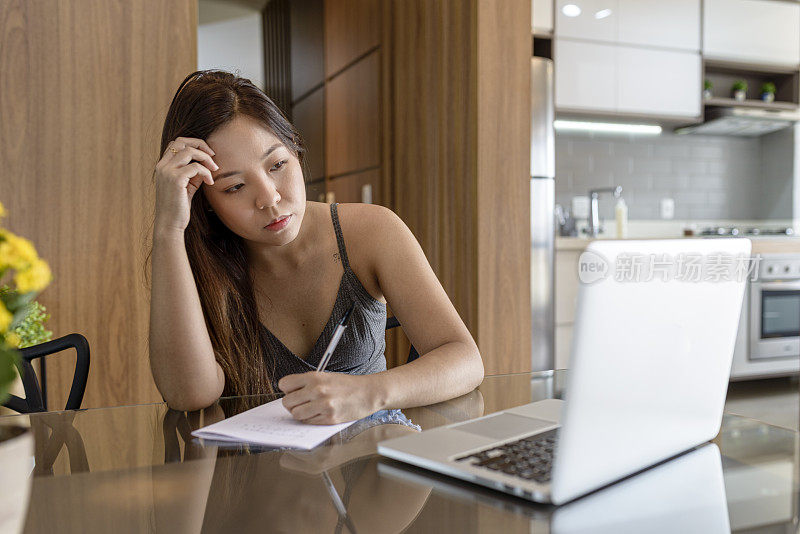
(138, 469)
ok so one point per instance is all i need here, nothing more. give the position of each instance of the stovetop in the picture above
(731, 231)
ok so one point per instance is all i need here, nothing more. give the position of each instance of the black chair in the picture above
(392, 322)
(35, 398)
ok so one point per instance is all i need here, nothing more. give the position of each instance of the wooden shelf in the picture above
(724, 74)
(750, 103)
(734, 67)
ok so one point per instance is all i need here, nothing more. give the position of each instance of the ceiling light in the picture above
(603, 13)
(571, 10)
(608, 127)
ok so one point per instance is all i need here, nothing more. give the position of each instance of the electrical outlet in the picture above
(580, 207)
(366, 193)
(667, 208)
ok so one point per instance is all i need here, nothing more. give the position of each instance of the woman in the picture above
(245, 273)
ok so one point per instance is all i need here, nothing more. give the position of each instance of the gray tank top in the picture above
(361, 349)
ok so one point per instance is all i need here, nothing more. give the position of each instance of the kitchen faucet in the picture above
(593, 229)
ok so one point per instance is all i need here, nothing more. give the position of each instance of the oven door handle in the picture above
(777, 286)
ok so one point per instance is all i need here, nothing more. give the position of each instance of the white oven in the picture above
(768, 343)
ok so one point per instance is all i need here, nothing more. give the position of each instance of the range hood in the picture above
(742, 121)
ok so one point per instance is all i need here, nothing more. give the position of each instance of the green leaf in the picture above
(31, 329)
(9, 363)
(28, 320)
(15, 301)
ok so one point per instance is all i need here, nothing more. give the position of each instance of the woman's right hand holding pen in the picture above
(185, 165)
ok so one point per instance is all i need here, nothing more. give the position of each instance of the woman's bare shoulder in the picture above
(361, 210)
(369, 230)
(366, 222)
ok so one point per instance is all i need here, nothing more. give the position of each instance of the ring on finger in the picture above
(175, 150)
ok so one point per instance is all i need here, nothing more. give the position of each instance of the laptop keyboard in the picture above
(529, 458)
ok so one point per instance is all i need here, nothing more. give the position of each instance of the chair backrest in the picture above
(392, 322)
(35, 397)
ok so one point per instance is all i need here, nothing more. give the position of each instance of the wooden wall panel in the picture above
(461, 130)
(308, 116)
(307, 50)
(352, 28)
(386, 94)
(352, 108)
(278, 63)
(85, 88)
(348, 188)
(434, 140)
(503, 185)
(315, 191)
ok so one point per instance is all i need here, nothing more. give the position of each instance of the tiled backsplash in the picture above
(708, 177)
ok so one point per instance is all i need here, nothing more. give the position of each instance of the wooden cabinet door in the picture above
(352, 118)
(753, 31)
(307, 46)
(352, 28)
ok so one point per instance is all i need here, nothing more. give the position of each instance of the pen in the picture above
(337, 335)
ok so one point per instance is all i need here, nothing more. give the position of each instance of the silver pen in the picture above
(337, 335)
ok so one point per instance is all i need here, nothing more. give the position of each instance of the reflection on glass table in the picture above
(137, 468)
(686, 494)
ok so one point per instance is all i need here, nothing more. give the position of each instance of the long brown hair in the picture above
(205, 101)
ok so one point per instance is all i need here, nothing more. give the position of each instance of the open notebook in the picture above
(269, 424)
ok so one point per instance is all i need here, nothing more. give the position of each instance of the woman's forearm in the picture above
(181, 356)
(446, 372)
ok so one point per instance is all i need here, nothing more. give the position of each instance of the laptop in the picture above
(655, 328)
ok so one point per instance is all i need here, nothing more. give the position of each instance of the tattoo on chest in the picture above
(335, 257)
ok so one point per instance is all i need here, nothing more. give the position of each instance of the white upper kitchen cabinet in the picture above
(668, 24)
(752, 31)
(658, 82)
(585, 75)
(542, 17)
(587, 19)
(608, 78)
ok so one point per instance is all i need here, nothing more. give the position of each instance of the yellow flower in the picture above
(2, 211)
(13, 339)
(34, 278)
(23, 248)
(16, 252)
(5, 318)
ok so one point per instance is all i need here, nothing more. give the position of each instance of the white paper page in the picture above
(270, 424)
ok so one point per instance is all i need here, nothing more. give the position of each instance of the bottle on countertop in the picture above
(621, 215)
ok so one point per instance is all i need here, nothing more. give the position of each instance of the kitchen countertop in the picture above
(761, 245)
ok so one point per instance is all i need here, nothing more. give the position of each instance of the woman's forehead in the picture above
(243, 136)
